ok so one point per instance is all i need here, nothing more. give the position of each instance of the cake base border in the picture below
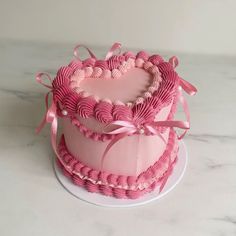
(106, 201)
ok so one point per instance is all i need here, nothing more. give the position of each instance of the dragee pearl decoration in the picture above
(64, 112)
(141, 131)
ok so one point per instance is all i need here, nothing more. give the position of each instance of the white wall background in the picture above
(195, 26)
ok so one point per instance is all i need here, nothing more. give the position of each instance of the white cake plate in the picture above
(106, 201)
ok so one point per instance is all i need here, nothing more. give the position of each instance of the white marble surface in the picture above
(32, 202)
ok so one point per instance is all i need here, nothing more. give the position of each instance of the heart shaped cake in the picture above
(117, 117)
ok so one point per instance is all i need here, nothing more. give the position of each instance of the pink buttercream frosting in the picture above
(70, 102)
(121, 112)
(130, 94)
(76, 64)
(103, 112)
(143, 55)
(89, 62)
(85, 107)
(102, 64)
(118, 186)
(157, 93)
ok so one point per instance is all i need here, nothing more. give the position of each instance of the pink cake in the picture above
(117, 118)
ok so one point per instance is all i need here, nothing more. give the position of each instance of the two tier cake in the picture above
(117, 115)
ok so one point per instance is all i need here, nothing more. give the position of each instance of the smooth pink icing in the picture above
(124, 153)
(127, 88)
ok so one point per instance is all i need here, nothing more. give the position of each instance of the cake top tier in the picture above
(119, 87)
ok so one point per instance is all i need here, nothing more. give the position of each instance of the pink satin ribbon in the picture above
(76, 53)
(187, 87)
(126, 128)
(51, 114)
(114, 47)
(184, 104)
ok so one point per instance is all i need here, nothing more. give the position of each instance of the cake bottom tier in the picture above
(119, 186)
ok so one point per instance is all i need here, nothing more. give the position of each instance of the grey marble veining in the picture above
(32, 202)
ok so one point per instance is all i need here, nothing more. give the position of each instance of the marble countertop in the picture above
(32, 202)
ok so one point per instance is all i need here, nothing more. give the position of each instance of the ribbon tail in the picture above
(41, 125)
(54, 126)
(44, 120)
(76, 53)
(153, 130)
(112, 142)
(187, 87)
(174, 61)
(166, 176)
(186, 111)
(113, 48)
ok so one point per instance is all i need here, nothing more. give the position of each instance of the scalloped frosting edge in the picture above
(97, 136)
(84, 103)
(119, 186)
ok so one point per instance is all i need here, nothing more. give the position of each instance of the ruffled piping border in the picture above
(118, 186)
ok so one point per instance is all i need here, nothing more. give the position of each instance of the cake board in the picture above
(102, 200)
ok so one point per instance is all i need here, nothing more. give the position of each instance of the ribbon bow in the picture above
(187, 87)
(114, 47)
(126, 128)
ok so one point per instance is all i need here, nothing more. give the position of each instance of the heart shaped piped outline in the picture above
(161, 90)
